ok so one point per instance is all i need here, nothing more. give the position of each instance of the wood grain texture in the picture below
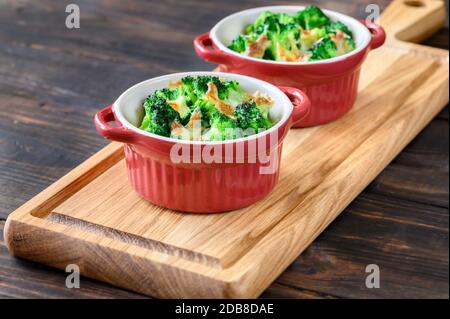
(368, 220)
(422, 165)
(42, 282)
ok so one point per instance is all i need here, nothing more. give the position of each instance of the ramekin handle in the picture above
(203, 45)
(378, 34)
(300, 101)
(120, 134)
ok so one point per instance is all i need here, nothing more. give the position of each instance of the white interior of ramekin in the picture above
(231, 26)
(129, 111)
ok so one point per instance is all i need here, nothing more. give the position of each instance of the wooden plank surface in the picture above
(418, 169)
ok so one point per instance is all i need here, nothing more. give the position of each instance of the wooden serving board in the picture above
(91, 217)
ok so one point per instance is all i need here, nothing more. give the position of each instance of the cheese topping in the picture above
(213, 95)
(179, 131)
(195, 116)
(175, 84)
(262, 99)
(180, 106)
(257, 48)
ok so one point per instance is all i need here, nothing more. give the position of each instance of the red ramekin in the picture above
(331, 85)
(233, 181)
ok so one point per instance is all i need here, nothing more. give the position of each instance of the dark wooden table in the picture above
(52, 80)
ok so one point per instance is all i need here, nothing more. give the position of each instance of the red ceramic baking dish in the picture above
(331, 85)
(243, 170)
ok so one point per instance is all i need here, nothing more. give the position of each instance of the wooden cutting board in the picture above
(91, 217)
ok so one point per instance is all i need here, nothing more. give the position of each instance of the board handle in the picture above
(413, 20)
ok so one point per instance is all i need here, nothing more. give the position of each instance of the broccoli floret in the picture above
(177, 98)
(311, 17)
(184, 91)
(284, 46)
(199, 85)
(158, 115)
(267, 21)
(249, 29)
(248, 115)
(286, 19)
(194, 86)
(235, 94)
(239, 44)
(222, 128)
(343, 41)
(324, 49)
(334, 26)
(345, 45)
(178, 102)
(310, 37)
(206, 108)
(228, 88)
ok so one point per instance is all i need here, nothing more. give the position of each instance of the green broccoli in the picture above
(311, 17)
(199, 85)
(158, 115)
(281, 32)
(248, 115)
(345, 45)
(177, 98)
(334, 26)
(222, 128)
(284, 45)
(286, 19)
(249, 29)
(206, 108)
(324, 49)
(310, 37)
(239, 44)
(172, 111)
(267, 21)
(291, 38)
(342, 36)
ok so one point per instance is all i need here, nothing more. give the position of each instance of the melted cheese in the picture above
(175, 84)
(286, 55)
(338, 39)
(213, 96)
(195, 125)
(257, 48)
(179, 131)
(192, 130)
(262, 99)
(180, 106)
(195, 116)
